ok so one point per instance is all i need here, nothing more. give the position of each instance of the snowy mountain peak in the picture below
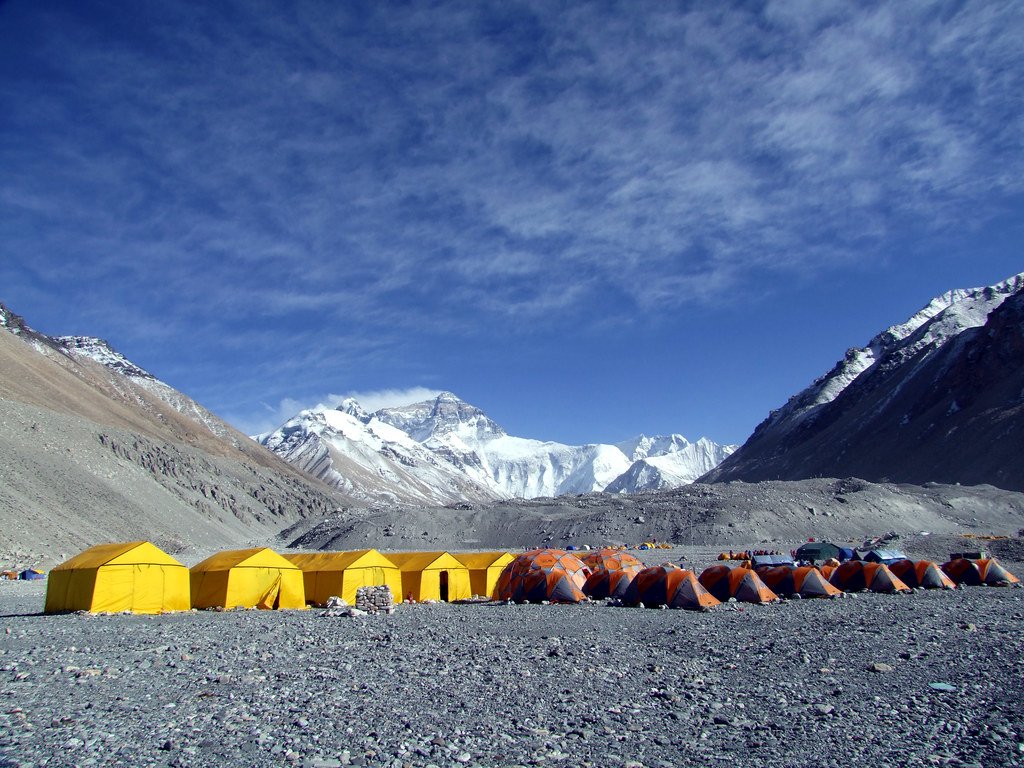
(352, 407)
(445, 415)
(641, 446)
(100, 351)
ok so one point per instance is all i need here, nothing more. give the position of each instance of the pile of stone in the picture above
(375, 599)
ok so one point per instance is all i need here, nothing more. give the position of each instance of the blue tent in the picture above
(30, 574)
(848, 553)
(771, 560)
(886, 556)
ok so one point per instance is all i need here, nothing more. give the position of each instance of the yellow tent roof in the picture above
(339, 561)
(118, 554)
(259, 557)
(477, 560)
(307, 561)
(421, 561)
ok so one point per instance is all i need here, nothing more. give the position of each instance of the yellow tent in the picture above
(432, 576)
(484, 569)
(247, 578)
(327, 574)
(134, 576)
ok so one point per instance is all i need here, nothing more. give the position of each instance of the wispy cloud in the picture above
(458, 168)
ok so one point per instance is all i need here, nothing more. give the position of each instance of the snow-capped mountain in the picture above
(370, 459)
(667, 462)
(445, 450)
(937, 398)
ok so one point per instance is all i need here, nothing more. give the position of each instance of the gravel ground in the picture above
(802, 683)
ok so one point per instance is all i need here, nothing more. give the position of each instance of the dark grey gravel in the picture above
(843, 682)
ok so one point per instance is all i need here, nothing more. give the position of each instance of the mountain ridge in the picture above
(468, 445)
(935, 398)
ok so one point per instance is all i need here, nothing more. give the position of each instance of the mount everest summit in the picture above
(447, 451)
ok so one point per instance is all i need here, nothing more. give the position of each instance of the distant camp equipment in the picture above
(814, 551)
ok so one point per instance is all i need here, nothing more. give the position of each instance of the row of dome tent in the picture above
(548, 575)
(139, 577)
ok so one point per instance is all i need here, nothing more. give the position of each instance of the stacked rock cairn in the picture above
(375, 599)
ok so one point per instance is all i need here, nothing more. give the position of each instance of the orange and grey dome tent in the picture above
(341, 574)
(247, 578)
(604, 583)
(551, 575)
(995, 575)
(973, 573)
(741, 583)
(134, 576)
(963, 571)
(924, 574)
(805, 581)
(856, 576)
(672, 587)
(609, 560)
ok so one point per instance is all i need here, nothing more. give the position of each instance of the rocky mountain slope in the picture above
(96, 449)
(937, 398)
(445, 451)
(775, 514)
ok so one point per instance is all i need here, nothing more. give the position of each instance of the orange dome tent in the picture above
(993, 574)
(856, 575)
(923, 573)
(962, 571)
(604, 583)
(609, 560)
(805, 581)
(672, 587)
(741, 583)
(543, 575)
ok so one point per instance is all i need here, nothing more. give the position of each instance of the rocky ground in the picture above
(801, 683)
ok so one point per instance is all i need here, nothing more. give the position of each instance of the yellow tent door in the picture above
(247, 578)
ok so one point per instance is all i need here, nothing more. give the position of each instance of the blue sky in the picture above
(590, 219)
